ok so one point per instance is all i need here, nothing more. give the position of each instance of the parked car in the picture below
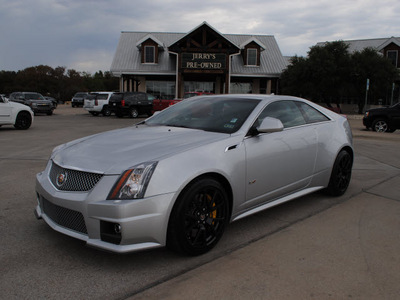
(131, 104)
(194, 94)
(34, 100)
(53, 100)
(77, 99)
(13, 113)
(98, 104)
(384, 119)
(160, 104)
(179, 177)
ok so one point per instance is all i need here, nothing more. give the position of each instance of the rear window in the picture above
(80, 95)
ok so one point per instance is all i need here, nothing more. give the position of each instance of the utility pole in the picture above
(366, 95)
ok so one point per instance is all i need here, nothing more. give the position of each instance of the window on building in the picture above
(149, 54)
(252, 57)
(393, 56)
(199, 86)
(161, 89)
(241, 88)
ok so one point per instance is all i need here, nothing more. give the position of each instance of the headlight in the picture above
(133, 182)
(366, 114)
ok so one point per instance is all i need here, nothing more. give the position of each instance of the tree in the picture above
(331, 74)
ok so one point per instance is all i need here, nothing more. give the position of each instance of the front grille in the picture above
(72, 180)
(64, 217)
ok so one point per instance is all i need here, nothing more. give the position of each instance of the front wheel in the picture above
(198, 218)
(341, 174)
(23, 121)
(380, 125)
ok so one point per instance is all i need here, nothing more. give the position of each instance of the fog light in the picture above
(110, 232)
(117, 228)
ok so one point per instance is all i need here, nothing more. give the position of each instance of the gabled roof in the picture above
(151, 37)
(127, 58)
(175, 46)
(359, 45)
(252, 39)
(393, 40)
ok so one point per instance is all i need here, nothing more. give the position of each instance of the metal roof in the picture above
(359, 45)
(127, 59)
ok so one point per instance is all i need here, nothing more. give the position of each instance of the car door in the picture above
(5, 111)
(396, 116)
(279, 163)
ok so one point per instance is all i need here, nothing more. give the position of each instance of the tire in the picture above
(106, 111)
(199, 217)
(380, 125)
(23, 121)
(49, 113)
(341, 174)
(133, 113)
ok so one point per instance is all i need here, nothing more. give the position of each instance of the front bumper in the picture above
(367, 122)
(114, 225)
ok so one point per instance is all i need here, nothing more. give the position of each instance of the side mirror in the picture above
(270, 125)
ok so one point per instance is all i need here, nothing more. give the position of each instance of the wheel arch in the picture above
(213, 175)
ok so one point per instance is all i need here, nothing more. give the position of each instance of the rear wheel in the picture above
(341, 174)
(380, 125)
(23, 121)
(198, 218)
(106, 111)
(134, 113)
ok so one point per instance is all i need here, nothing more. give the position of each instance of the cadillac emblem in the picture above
(61, 179)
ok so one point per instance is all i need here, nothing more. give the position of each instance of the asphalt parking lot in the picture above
(316, 247)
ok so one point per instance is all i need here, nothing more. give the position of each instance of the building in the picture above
(388, 47)
(169, 64)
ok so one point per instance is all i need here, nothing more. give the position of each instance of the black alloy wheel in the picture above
(199, 217)
(23, 121)
(106, 111)
(341, 174)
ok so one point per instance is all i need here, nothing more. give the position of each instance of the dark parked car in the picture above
(34, 100)
(53, 100)
(78, 99)
(131, 104)
(384, 119)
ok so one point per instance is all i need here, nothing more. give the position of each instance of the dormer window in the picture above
(149, 54)
(392, 55)
(251, 57)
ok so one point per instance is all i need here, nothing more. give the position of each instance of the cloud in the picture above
(84, 34)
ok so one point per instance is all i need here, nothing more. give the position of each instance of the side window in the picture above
(286, 111)
(150, 97)
(312, 115)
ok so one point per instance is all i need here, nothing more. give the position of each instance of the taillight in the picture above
(123, 102)
(96, 102)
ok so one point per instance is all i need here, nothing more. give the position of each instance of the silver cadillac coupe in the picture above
(180, 177)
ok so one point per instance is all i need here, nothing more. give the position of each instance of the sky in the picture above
(83, 34)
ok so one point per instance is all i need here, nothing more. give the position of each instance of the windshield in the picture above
(216, 114)
(33, 96)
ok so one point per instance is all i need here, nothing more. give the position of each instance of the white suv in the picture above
(97, 103)
(13, 113)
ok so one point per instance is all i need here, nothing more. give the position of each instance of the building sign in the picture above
(204, 61)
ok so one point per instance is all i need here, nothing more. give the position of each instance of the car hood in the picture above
(114, 151)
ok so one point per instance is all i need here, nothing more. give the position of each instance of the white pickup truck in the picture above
(13, 113)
